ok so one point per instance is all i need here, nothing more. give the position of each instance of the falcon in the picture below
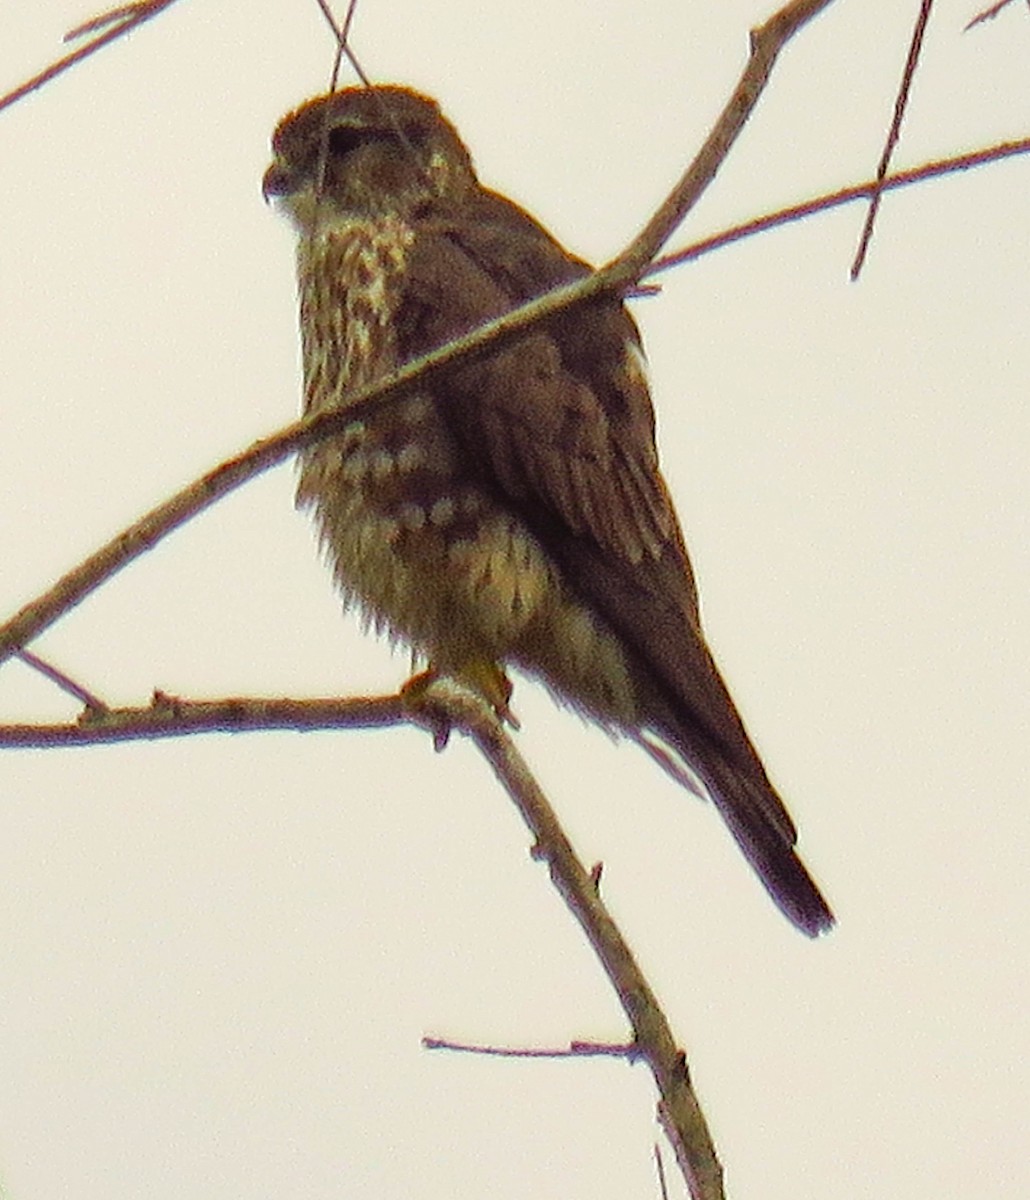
(512, 514)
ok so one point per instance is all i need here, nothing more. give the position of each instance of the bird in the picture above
(512, 513)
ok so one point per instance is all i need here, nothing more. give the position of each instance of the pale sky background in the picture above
(218, 955)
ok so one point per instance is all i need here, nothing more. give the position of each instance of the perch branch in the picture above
(678, 1107)
(445, 705)
(170, 716)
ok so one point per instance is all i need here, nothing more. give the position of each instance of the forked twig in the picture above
(577, 1049)
(114, 23)
(678, 1106)
(444, 704)
(65, 682)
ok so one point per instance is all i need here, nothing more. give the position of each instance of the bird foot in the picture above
(481, 676)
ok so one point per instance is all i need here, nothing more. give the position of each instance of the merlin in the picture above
(513, 513)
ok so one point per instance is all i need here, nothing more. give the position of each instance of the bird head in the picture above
(365, 152)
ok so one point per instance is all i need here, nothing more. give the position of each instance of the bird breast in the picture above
(412, 535)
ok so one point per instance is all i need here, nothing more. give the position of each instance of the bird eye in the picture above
(345, 138)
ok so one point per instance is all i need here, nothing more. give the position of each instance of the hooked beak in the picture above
(278, 181)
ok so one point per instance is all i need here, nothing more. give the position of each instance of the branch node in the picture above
(165, 703)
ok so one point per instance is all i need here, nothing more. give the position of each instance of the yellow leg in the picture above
(482, 676)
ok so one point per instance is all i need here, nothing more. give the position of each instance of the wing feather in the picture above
(554, 430)
(561, 423)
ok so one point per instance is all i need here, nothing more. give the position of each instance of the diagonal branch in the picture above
(72, 588)
(115, 24)
(678, 1107)
(88, 699)
(900, 105)
(858, 191)
(766, 43)
(987, 14)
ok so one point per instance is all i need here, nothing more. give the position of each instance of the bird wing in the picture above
(562, 417)
(560, 422)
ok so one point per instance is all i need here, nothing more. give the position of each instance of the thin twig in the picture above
(123, 12)
(859, 191)
(63, 681)
(766, 43)
(345, 45)
(659, 1165)
(629, 1051)
(988, 14)
(900, 105)
(341, 34)
(125, 18)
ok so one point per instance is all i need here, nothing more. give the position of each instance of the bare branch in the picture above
(766, 43)
(860, 191)
(660, 1170)
(72, 588)
(169, 716)
(63, 681)
(114, 23)
(987, 14)
(678, 1106)
(629, 1050)
(446, 704)
(341, 34)
(900, 105)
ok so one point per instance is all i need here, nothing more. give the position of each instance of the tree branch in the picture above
(118, 22)
(894, 133)
(766, 43)
(830, 200)
(169, 716)
(678, 1107)
(445, 705)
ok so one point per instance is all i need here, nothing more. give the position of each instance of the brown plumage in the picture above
(515, 512)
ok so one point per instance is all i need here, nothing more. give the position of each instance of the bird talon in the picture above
(487, 679)
(416, 697)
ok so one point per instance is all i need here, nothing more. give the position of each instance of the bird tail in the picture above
(756, 817)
